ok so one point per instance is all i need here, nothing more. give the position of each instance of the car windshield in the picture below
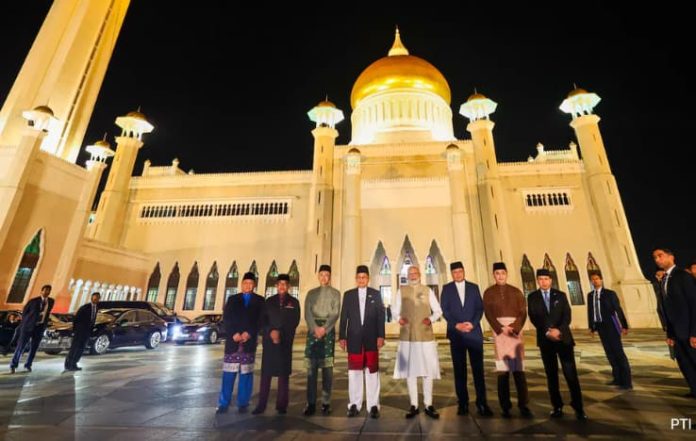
(202, 319)
(113, 313)
(166, 310)
(106, 318)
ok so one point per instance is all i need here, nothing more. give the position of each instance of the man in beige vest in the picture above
(416, 308)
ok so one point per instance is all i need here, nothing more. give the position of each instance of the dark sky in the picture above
(228, 87)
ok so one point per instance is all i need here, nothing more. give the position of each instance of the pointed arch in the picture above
(552, 269)
(271, 277)
(294, 274)
(407, 257)
(380, 268)
(573, 281)
(172, 287)
(211, 283)
(592, 266)
(435, 269)
(528, 279)
(153, 284)
(191, 289)
(232, 281)
(254, 270)
(26, 270)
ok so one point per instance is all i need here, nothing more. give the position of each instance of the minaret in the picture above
(626, 274)
(351, 240)
(478, 109)
(111, 212)
(321, 196)
(64, 70)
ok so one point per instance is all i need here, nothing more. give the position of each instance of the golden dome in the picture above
(476, 96)
(44, 109)
(103, 143)
(354, 151)
(576, 91)
(326, 103)
(137, 115)
(399, 70)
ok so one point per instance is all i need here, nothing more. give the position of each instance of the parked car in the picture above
(206, 328)
(158, 309)
(9, 321)
(63, 316)
(113, 328)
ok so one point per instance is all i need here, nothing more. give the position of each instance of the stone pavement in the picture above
(171, 393)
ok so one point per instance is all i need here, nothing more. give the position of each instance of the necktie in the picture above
(664, 284)
(547, 301)
(597, 310)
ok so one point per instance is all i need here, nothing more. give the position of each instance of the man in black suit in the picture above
(34, 319)
(361, 331)
(605, 316)
(82, 329)
(678, 299)
(549, 311)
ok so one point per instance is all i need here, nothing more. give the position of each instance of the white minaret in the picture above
(623, 264)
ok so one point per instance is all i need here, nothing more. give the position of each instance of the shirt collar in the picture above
(362, 290)
(669, 271)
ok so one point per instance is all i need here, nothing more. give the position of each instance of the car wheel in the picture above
(53, 351)
(213, 337)
(101, 345)
(153, 340)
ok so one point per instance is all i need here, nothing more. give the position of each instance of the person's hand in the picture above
(319, 332)
(403, 321)
(460, 327)
(670, 342)
(554, 334)
(380, 342)
(468, 327)
(342, 344)
(275, 336)
(237, 338)
(624, 331)
(426, 321)
(245, 337)
(692, 342)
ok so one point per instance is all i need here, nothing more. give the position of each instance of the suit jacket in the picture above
(454, 312)
(83, 323)
(32, 313)
(238, 319)
(284, 318)
(559, 317)
(608, 306)
(363, 336)
(679, 305)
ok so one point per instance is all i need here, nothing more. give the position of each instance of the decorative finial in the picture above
(104, 138)
(398, 47)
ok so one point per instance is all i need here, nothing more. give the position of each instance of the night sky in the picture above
(228, 88)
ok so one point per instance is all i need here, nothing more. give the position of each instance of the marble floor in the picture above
(170, 393)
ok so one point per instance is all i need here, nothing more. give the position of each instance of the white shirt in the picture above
(434, 306)
(597, 312)
(362, 297)
(460, 290)
(667, 273)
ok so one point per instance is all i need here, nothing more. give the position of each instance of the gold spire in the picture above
(398, 47)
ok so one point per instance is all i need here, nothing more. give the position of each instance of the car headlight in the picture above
(176, 331)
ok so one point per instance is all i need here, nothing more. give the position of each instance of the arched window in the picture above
(191, 288)
(407, 257)
(254, 270)
(232, 281)
(592, 266)
(435, 270)
(172, 287)
(271, 277)
(573, 280)
(294, 275)
(528, 278)
(211, 283)
(552, 269)
(26, 270)
(153, 284)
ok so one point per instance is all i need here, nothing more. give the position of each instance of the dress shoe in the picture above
(432, 413)
(13, 370)
(309, 410)
(412, 412)
(612, 383)
(353, 411)
(243, 409)
(258, 411)
(282, 411)
(580, 415)
(506, 413)
(626, 387)
(556, 413)
(484, 410)
(219, 410)
(77, 368)
(28, 368)
(326, 409)
(463, 409)
(688, 395)
(374, 412)
(526, 413)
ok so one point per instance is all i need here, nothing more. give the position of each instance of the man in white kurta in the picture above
(416, 308)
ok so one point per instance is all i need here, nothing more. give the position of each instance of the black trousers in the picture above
(326, 382)
(459, 363)
(551, 353)
(77, 347)
(504, 389)
(613, 348)
(686, 357)
(31, 338)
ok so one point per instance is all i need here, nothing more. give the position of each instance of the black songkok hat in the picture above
(283, 277)
(325, 267)
(249, 276)
(543, 272)
(456, 265)
(499, 266)
(362, 269)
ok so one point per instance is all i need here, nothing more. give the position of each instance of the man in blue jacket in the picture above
(462, 307)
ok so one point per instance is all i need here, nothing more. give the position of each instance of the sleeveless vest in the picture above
(415, 306)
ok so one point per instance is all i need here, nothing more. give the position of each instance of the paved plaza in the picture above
(171, 393)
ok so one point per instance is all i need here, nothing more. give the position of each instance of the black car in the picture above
(63, 316)
(206, 328)
(158, 309)
(114, 328)
(9, 321)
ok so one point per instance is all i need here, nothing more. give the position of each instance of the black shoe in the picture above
(431, 412)
(243, 409)
(28, 368)
(282, 411)
(353, 411)
(77, 368)
(326, 409)
(13, 370)
(463, 409)
(580, 415)
(626, 387)
(686, 395)
(219, 410)
(506, 413)
(612, 383)
(258, 411)
(526, 413)
(309, 410)
(556, 413)
(484, 410)
(374, 412)
(412, 412)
